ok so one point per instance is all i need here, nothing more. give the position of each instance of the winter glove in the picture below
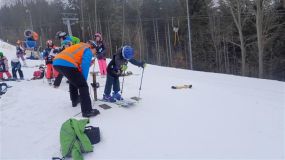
(124, 67)
(92, 62)
(143, 65)
(118, 73)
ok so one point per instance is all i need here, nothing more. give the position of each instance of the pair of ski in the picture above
(35, 66)
(121, 103)
(14, 80)
(182, 86)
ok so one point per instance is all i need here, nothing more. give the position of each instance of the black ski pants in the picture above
(58, 80)
(77, 82)
(16, 67)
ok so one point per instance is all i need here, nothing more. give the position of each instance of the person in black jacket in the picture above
(101, 54)
(16, 67)
(115, 69)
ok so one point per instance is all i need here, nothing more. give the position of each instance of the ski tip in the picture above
(136, 98)
(105, 106)
(183, 86)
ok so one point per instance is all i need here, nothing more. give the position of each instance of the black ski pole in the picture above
(141, 83)
(44, 76)
(123, 83)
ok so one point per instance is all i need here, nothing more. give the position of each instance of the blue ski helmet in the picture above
(127, 52)
(66, 42)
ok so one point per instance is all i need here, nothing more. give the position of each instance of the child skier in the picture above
(65, 44)
(20, 52)
(39, 74)
(115, 69)
(4, 67)
(48, 55)
(101, 54)
(63, 36)
(16, 67)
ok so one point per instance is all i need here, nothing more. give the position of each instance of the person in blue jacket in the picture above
(73, 63)
(116, 68)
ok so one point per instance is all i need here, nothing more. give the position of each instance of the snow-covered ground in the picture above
(221, 117)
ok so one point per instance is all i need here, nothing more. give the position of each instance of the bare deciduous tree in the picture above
(265, 23)
(237, 9)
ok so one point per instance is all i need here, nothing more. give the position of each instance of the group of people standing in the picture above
(15, 64)
(74, 63)
(73, 60)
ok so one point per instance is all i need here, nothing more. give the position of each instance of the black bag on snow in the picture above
(93, 133)
(3, 88)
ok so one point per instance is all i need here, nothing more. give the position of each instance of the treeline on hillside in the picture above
(240, 37)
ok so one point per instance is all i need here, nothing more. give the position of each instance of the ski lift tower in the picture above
(69, 19)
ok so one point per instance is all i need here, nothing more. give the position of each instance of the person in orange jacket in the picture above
(74, 63)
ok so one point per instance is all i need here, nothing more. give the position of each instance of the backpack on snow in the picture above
(93, 133)
(3, 88)
(77, 138)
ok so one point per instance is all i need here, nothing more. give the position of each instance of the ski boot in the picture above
(93, 112)
(117, 96)
(108, 98)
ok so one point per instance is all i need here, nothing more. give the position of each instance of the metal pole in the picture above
(30, 17)
(69, 27)
(189, 36)
(95, 10)
(141, 83)
(82, 21)
(123, 34)
(123, 83)
(69, 19)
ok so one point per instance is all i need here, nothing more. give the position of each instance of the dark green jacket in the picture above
(73, 140)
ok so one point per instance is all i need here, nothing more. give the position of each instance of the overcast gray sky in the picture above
(2, 2)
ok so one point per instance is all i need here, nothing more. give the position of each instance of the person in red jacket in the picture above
(39, 74)
(48, 55)
(4, 67)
